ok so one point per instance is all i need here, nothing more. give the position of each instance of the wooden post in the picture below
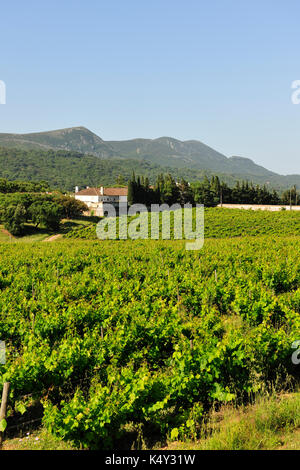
(3, 407)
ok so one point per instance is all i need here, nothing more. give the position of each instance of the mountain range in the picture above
(165, 152)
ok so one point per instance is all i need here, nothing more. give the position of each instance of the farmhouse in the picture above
(94, 198)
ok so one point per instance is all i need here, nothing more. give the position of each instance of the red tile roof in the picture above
(106, 192)
(89, 192)
(115, 191)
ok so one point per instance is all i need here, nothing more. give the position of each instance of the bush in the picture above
(14, 219)
(48, 214)
(71, 208)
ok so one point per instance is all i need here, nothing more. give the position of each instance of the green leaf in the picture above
(174, 434)
(3, 425)
(21, 408)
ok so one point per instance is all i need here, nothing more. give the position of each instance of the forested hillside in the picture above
(188, 159)
(64, 170)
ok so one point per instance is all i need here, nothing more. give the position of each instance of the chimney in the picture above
(76, 189)
(101, 190)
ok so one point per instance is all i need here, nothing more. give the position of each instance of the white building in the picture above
(95, 197)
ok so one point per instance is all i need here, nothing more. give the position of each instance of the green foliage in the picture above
(291, 196)
(145, 332)
(3, 425)
(7, 186)
(228, 223)
(47, 214)
(204, 193)
(42, 209)
(20, 408)
(64, 170)
(159, 151)
(14, 218)
(70, 207)
(209, 192)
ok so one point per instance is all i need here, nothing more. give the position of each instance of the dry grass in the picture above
(37, 440)
(270, 423)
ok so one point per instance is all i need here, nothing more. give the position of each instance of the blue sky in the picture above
(219, 71)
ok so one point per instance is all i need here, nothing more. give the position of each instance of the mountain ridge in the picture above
(190, 159)
(74, 139)
(163, 151)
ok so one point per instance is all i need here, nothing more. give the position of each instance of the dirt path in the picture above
(6, 232)
(52, 238)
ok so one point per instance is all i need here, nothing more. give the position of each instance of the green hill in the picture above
(77, 156)
(164, 151)
(65, 169)
(190, 154)
(76, 139)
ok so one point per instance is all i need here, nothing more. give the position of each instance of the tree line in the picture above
(64, 169)
(41, 210)
(7, 186)
(209, 191)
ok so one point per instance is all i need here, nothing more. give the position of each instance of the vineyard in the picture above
(115, 337)
(224, 223)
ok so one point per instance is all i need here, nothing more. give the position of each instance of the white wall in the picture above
(109, 198)
(87, 198)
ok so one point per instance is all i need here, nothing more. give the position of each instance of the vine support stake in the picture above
(3, 407)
